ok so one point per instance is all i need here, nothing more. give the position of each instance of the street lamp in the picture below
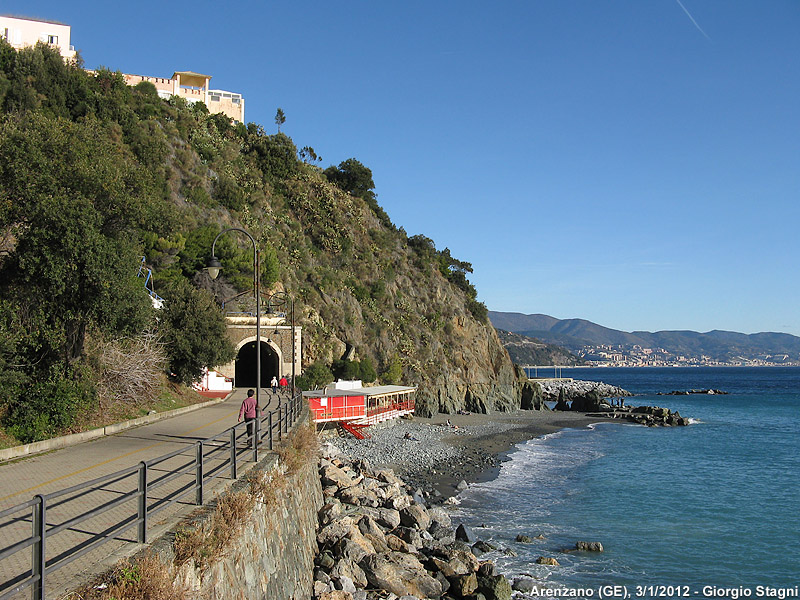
(213, 267)
(281, 299)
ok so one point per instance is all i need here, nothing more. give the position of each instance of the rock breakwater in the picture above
(552, 389)
(592, 398)
(379, 539)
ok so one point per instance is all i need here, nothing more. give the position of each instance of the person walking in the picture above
(274, 384)
(284, 383)
(249, 411)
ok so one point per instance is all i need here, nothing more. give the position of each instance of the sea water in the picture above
(708, 510)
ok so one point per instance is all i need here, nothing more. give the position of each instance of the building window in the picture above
(52, 39)
(215, 98)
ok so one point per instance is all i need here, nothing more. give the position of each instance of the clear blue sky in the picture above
(632, 162)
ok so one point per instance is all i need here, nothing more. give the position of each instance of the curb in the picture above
(84, 436)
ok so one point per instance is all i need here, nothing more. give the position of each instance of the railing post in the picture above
(280, 422)
(233, 452)
(254, 438)
(198, 481)
(270, 430)
(39, 519)
(142, 504)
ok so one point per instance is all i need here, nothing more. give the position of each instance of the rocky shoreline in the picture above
(379, 540)
(383, 532)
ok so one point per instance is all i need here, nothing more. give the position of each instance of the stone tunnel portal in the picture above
(246, 365)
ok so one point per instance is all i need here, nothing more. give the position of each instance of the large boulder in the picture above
(347, 549)
(351, 570)
(464, 534)
(589, 546)
(335, 531)
(590, 402)
(531, 397)
(440, 515)
(463, 586)
(494, 587)
(415, 516)
(333, 475)
(395, 574)
(561, 403)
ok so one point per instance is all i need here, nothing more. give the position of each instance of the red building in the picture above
(358, 408)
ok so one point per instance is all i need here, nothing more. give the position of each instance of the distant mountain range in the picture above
(595, 342)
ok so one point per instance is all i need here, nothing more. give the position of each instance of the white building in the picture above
(21, 32)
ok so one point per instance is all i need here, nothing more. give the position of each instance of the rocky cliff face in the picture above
(457, 361)
(367, 290)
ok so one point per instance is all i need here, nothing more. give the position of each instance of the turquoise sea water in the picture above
(716, 503)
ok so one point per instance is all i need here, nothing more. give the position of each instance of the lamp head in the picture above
(213, 267)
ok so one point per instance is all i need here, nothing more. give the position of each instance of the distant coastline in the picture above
(595, 345)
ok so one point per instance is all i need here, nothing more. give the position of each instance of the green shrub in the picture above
(346, 369)
(194, 331)
(368, 373)
(49, 408)
(478, 310)
(392, 373)
(314, 376)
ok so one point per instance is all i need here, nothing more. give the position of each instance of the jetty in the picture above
(532, 371)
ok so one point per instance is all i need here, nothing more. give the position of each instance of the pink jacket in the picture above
(248, 408)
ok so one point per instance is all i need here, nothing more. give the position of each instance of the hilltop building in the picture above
(194, 87)
(21, 32)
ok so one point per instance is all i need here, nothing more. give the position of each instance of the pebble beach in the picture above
(436, 454)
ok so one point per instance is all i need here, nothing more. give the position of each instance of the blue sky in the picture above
(631, 162)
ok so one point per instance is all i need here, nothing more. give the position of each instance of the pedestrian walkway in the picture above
(22, 479)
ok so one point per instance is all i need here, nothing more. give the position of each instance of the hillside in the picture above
(584, 337)
(525, 350)
(95, 174)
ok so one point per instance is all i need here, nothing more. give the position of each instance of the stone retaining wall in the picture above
(273, 557)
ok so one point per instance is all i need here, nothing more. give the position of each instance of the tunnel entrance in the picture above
(246, 365)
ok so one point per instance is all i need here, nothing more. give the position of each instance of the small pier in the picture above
(542, 373)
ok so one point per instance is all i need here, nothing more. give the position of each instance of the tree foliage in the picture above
(314, 376)
(194, 332)
(354, 178)
(94, 174)
(280, 118)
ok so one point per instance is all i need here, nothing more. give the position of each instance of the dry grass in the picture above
(266, 487)
(207, 541)
(130, 369)
(145, 578)
(301, 447)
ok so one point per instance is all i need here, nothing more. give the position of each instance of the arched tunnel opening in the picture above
(246, 365)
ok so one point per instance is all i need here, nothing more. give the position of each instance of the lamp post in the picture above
(282, 299)
(213, 269)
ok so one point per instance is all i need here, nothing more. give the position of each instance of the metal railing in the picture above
(198, 463)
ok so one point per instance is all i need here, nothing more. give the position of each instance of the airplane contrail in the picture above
(688, 14)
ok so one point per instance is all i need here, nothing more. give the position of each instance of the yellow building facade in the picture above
(195, 87)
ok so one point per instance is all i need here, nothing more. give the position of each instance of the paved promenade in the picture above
(23, 478)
